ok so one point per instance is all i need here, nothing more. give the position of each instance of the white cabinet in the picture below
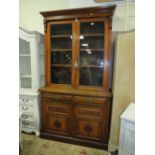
(31, 58)
(127, 131)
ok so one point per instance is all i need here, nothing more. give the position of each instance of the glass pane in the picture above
(24, 64)
(91, 76)
(25, 82)
(24, 47)
(61, 43)
(61, 53)
(92, 28)
(92, 42)
(61, 57)
(59, 29)
(61, 75)
(91, 53)
(91, 58)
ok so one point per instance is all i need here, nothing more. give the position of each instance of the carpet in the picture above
(33, 145)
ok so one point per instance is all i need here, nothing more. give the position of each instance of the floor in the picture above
(33, 145)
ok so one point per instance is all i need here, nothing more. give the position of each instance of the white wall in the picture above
(29, 16)
(124, 16)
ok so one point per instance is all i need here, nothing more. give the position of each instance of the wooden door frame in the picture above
(106, 54)
(48, 54)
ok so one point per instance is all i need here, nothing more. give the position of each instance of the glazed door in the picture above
(92, 54)
(78, 54)
(60, 53)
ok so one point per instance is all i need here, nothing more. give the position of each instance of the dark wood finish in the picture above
(103, 11)
(74, 113)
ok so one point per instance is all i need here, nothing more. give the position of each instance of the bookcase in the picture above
(76, 98)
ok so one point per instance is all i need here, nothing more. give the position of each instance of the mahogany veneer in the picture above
(77, 110)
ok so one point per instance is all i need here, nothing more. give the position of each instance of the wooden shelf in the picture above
(26, 76)
(90, 66)
(60, 65)
(61, 50)
(92, 35)
(62, 36)
(92, 49)
(85, 35)
(24, 55)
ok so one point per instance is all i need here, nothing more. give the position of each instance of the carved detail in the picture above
(57, 124)
(45, 26)
(88, 128)
(110, 24)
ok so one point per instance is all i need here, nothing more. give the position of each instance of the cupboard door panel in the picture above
(57, 124)
(88, 129)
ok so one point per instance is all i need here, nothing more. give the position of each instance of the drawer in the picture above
(27, 124)
(57, 97)
(58, 108)
(89, 100)
(27, 116)
(26, 101)
(58, 125)
(25, 108)
(88, 112)
(88, 129)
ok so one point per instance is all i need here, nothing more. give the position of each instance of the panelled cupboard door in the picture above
(77, 53)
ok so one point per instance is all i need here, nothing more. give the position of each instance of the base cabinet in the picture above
(76, 117)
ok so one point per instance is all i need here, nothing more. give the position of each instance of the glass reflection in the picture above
(91, 58)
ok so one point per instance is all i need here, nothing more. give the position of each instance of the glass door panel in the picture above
(25, 64)
(91, 54)
(61, 53)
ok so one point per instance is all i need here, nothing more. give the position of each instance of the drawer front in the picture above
(56, 108)
(27, 116)
(27, 124)
(88, 129)
(56, 124)
(89, 100)
(89, 113)
(25, 108)
(57, 97)
(26, 101)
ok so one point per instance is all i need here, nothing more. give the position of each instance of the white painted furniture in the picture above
(127, 131)
(31, 60)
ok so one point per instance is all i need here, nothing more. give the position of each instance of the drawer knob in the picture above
(88, 128)
(25, 108)
(25, 123)
(25, 100)
(24, 116)
(57, 124)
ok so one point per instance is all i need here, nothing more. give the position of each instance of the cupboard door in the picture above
(57, 124)
(92, 53)
(60, 55)
(88, 129)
